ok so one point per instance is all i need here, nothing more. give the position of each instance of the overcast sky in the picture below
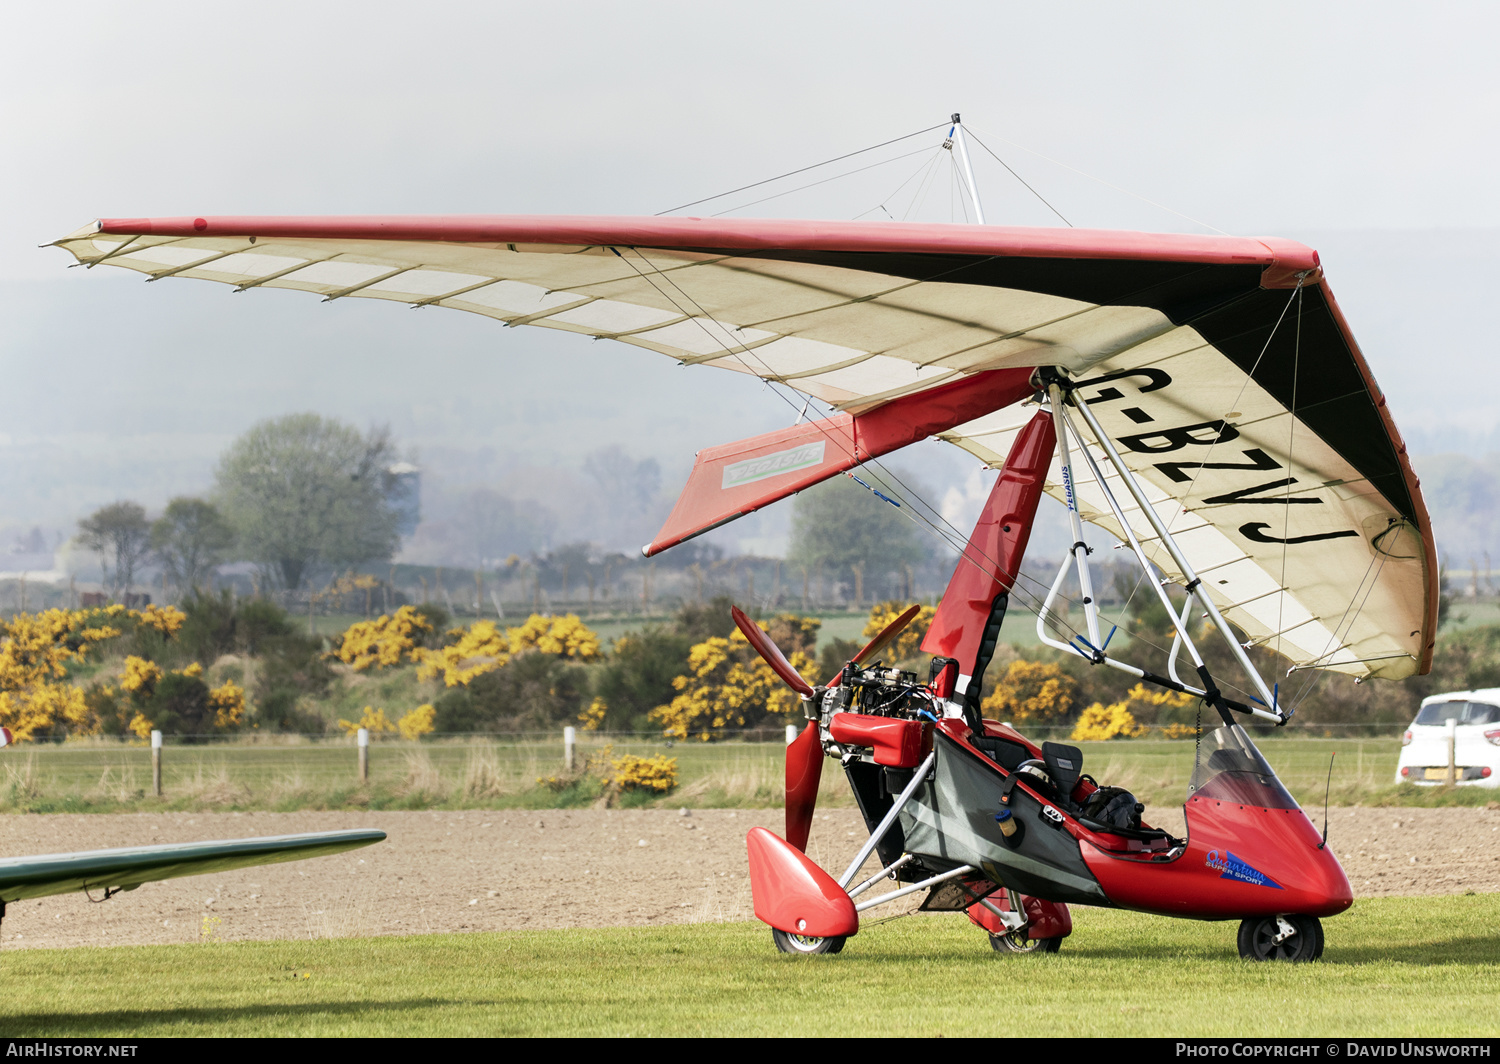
(1334, 123)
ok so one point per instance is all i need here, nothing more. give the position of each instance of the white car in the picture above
(1476, 746)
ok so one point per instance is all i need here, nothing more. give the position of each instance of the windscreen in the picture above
(1230, 769)
(1463, 712)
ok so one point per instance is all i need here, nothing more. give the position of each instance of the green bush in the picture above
(638, 676)
(289, 664)
(534, 691)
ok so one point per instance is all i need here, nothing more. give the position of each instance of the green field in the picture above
(1392, 967)
(285, 773)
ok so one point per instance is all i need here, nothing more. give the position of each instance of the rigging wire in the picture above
(881, 206)
(1100, 180)
(1250, 376)
(801, 170)
(1319, 672)
(1291, 439)
(814, 184)
(1018, 177)
(919, 194)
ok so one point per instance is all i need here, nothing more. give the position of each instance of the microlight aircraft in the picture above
(1200, 398)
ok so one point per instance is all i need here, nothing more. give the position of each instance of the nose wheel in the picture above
(1281, 938)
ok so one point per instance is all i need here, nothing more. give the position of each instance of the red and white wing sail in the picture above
(1222, 364)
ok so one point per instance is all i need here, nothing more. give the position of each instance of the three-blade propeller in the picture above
(804, 755)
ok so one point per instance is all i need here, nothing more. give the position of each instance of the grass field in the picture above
(1392, 967)
(286, 774)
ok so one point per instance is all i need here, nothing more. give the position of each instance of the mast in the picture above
(956, 136)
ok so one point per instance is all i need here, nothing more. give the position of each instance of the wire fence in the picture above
(294, 771)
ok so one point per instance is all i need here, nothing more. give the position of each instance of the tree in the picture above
(844, 528)
(490, 526)
(190, 539)
(304, 491)
(120, 535)
(625, 496)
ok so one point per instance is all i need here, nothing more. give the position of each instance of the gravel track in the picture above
(483, 870)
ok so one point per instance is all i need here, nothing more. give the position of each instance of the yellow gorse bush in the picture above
(726, 686)
(592, 717)
(1159, 697)
(417, 722)
(481, 648)
(35, 652)
(388, 640)
(909, 643)
(165, 619)
(228, 702)
(1100, 722)
(1126, 719)
(1031, 691)
(631, 773)
(413, 725)
(373, 719)
(140, 675)
(565, 636)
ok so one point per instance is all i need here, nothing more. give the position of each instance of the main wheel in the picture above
(1281, 938)
(787, 942)
(1017, 942)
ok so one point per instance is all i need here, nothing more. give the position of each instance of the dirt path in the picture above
(489, 871)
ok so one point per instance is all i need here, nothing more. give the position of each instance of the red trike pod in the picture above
(793, 894)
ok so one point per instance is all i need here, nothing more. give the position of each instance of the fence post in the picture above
(364, 754)
(156, 762)
(570, 740)
(791, 734)
(1452, 751)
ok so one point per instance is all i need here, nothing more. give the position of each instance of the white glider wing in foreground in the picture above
(108, 871)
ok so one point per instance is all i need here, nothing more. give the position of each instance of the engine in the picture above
(880, 692)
